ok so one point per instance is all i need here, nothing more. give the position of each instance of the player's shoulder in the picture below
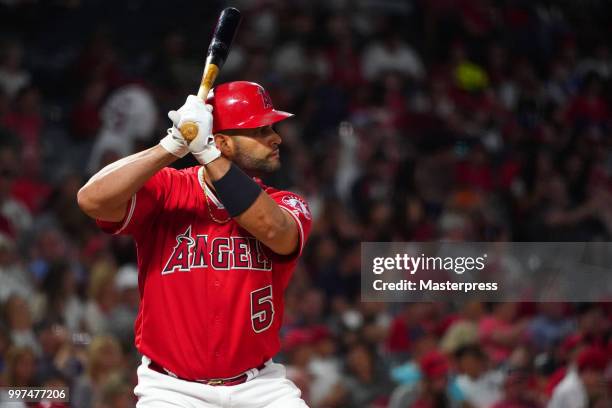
(174, 181)
(291, 201)
(186, 172)
(170, 173)
(275, 192)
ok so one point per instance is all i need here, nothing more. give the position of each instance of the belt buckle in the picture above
(215, 382)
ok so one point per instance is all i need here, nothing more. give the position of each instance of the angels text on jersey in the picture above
(219, 253)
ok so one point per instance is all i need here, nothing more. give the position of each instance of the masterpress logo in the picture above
(412, 264)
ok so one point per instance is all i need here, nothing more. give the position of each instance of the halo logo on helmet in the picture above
(242, 105)
(265, 98)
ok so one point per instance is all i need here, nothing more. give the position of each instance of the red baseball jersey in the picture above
(211, 294)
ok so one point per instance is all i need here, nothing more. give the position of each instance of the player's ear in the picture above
(225, 144)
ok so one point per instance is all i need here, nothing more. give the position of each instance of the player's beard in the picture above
(256, 165)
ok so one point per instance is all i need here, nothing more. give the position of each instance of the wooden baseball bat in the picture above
(218, 50)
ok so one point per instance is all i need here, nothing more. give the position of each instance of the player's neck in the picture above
(208, 181)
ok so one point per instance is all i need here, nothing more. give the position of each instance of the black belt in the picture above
(239, 379)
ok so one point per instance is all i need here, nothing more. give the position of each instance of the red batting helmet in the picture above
(242, 105)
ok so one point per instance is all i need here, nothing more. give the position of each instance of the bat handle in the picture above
(189, 130)
(208, 78)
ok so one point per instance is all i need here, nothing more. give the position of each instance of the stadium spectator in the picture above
(60, 302)
(20, 367)
(501, 332)
(518, 392)
(480, 386)
(121, 319)
(584, 384)
(13, 276)
(18, 316)
(364, 382)
(102, 298)
(549, 326)
(16, 217)
(433, 389)
(104, 361)
(13, 76)
(391, 53)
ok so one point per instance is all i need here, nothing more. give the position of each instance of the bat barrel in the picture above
(224, 34)
(219, 48)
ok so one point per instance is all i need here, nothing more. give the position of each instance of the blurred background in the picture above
(475, 120)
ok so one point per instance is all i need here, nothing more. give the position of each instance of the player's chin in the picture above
(274, 164)
(268, 165)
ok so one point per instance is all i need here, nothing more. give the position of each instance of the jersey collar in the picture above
(209, 193)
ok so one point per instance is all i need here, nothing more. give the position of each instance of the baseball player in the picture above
(216, 249)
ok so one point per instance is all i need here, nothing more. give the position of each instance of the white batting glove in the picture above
(174, 143)
(202, 146)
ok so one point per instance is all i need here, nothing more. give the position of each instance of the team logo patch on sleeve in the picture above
(297, 204)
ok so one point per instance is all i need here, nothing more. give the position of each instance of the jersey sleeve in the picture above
(297, 207)
(143, 205)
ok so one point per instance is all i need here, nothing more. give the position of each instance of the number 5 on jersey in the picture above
(262, 309)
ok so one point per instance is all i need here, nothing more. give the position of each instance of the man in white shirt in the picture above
(480, 386)
(584, 384)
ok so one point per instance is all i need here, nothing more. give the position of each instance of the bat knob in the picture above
(189, 131)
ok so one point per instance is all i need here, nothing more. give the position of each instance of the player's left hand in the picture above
(196, 111)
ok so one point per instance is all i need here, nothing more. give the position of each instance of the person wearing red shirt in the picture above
(216, 249)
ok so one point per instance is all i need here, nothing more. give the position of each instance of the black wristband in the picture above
(236, 190)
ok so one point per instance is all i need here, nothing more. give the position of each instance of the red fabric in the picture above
(345, 67)
(398, 340)
(475, 176)
(28, 127)
(94, 246)
(554, 380)
(476, 16)
(516, 17)
(590, 109)
(296, 338)
(320, 332)
(421, 403)
(25, 125)
(592, 358)
(434, 365)
(6, 227)
(447, 323)
(515, 404)
(508, 173)
(99, 62)
(32, 193)
(425, 231)
(496, 352)
(86, 120)
(205, 287)
(571, 342)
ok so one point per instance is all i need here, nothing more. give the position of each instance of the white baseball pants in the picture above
(268, 388)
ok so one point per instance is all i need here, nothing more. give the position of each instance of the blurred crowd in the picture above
(468, 120)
